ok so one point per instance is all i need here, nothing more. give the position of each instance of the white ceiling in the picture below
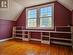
(26, 3)
(67, 3)
(17, 6)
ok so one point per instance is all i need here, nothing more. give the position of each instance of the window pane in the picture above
(46, 11)
(32, 13)
(46, 22)
(40, 17)
(31, 22)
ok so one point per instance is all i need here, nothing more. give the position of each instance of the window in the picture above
(40, 17)
(32, 18)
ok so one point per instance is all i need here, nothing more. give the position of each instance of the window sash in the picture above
(45, 11)
(38, 17)
(44, 21)
(32, 23)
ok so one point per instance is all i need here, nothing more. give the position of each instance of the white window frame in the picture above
(38, 25)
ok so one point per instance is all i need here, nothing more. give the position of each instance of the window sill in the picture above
(50, 28)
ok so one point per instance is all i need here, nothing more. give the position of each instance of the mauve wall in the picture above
(72, 17)
(21, 21)
(62, 17)
(6, 28)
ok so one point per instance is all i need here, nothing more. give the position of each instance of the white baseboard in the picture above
(5, 39)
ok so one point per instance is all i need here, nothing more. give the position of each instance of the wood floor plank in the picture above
(19, 47)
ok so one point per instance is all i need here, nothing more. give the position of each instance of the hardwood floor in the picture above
(19, 47)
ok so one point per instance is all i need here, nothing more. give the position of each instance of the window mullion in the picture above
(38, 17)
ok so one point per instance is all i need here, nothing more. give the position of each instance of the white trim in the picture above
(60, 38)
(72, 35)
(62, 43)
(5, 39)
(63, 26)
(37, 8)
(18, 37)
(44, 31)
(25, 39)
(45, 42)
(35, 39)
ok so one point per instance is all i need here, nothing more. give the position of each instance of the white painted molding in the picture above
(45, 42)
(25, 39)
(35, 39)
(72, 35)
(5, 39)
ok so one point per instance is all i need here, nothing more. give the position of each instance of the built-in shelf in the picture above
(19, 34)
(62, 43)
(61, 38)
(44, 31)
(45, 38)
(45, 42)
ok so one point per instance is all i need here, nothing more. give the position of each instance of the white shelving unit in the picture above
(62, 31)
(61, 39)
(14, 33)
(26, 36)
(45, 38)
(72, 35)
(62, 43)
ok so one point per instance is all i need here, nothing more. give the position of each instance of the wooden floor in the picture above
(19, 47)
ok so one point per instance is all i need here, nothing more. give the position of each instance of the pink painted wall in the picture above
(62, 17)
(6, 28)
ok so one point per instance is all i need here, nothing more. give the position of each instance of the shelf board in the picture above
(19, 34)
(45, 42)
(62, 26)
(45, 36)
(61, 43)
(18, 37)
(44, 31)
(25, 39)
(61, 32)
(61, 38)
(18, 30)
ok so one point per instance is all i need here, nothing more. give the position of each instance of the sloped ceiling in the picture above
(17, 6)
(12, 12)
(67, 3)
(26, 3)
